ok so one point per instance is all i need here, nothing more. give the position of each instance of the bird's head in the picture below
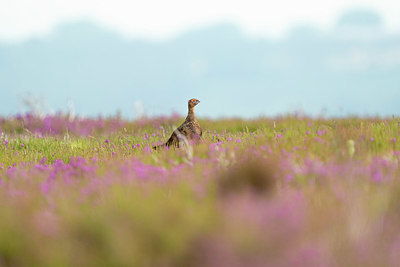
(193, 102)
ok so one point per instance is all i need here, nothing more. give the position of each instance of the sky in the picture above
(162, 20)
(322, 57)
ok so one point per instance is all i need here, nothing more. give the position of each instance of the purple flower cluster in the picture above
(60, 124)
(311, 195)
(286, 215)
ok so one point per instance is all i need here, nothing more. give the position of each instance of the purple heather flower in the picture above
(377, 176)
(372, 139)
(230, 139)
(113, 153)
(238, 140)
(308, 132)
(22, 145)
(107, 141)
(138, 145)
(394, 140)
(45, 187)
(289, 177)
(6, 143)
(278, 136)
(43, 160)
(41, 167)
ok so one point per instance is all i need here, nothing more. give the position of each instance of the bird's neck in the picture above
(190, 116)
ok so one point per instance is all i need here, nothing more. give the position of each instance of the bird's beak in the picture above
(198, 101)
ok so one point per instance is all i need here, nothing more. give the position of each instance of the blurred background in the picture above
(242, 59)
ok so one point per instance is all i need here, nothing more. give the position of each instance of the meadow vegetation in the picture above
(284, 191)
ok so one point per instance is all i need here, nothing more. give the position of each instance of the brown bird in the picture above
(189, 131)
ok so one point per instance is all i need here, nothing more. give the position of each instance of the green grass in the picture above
(285, 191)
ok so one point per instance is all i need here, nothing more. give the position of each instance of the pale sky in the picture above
(160, 20)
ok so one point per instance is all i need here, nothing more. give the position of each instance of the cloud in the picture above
(20, 19)
(356, 59)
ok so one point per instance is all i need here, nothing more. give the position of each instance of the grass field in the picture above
(287, 191)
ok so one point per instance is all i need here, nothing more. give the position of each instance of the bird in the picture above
(188, 131)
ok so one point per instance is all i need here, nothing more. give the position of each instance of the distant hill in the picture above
(354, 69)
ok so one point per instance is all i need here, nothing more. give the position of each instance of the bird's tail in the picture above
(159, 146)
(175, 140)
(171, 142)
